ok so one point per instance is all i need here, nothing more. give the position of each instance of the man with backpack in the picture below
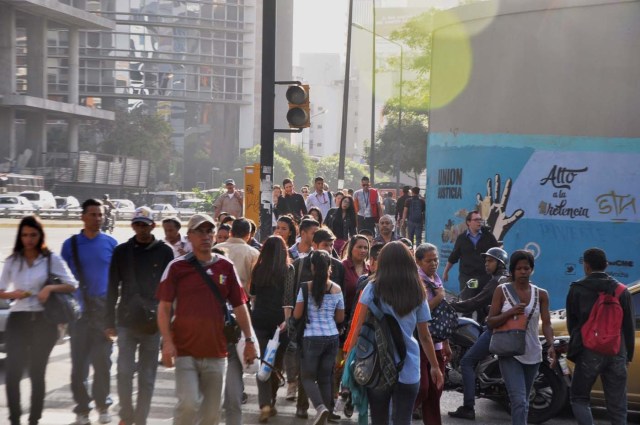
(600, 320)
(414, 216)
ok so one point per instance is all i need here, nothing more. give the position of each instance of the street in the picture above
(59, 402)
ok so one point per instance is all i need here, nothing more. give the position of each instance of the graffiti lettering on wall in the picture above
(613, 204)
(450, 183)
(562, 178)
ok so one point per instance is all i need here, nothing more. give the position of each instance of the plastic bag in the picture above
(251, 367)
(269, 357)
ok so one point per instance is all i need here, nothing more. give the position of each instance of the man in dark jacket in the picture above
(468, 249)
(590, 364)
(136, 268)
(401, 226)
(291, 202)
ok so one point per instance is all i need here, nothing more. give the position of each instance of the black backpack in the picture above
(380, 338)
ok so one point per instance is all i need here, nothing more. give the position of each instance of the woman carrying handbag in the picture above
(523, 302)
(30, 337)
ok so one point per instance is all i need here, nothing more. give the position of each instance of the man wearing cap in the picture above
(231, 201)
(136, 268)
(194, 341)
(320, 198)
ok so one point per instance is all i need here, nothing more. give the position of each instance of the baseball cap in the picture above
(230, 181)
(143, 215)
(197, 219)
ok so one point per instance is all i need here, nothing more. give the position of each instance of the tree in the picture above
(281, 166)
(301, 164)
(404, 146)
(353, 172)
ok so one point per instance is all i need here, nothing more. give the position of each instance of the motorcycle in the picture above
(108, 222)
(550, 393)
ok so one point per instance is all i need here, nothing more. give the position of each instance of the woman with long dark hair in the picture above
(286, 228)
(325, 309)
(316, 214)
(355, 265)
(399, 292)
(29, 336)
(271, 279)
(343, 223)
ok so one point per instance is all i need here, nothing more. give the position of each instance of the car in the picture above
(67, 202)
(15, 206)
(4, 315)
(162, 211)
(41, 199)
(559, 325)
(188, 207)
(125, 209)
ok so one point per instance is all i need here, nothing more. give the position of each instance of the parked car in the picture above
(559, 325)
(188, 207)
(41, 199)
(125, 209)
(162, 211)
(14, 206)
(67, 202)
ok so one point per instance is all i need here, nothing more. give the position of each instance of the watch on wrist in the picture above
(249, 339)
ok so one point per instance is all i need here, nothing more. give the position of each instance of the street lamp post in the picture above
(373, 112)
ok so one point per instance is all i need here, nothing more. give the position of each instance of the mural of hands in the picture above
(493, 208)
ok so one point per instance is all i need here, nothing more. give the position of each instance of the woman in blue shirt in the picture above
(401, 294)
(320, 343)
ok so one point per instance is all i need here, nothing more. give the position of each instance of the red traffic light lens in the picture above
(297, 95)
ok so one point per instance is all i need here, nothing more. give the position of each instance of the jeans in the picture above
(90, 346)
(428, 394)
(518, 378)
(130, 341)
(234, 386)
(402, 397)
(267, 390)
(29, 341)
(199, 384)
(613, 374)
(477, 352)
(316, 368)
(415, 230)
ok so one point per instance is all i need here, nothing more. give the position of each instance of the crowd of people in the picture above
(332, 258)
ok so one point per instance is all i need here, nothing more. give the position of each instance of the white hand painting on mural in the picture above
(493, 207)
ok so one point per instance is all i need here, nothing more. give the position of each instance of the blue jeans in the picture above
(402, 397)
(199, 384)
(233, 388)
(477, 352)
(518, 378)
(316, 368)
(613, 373)
(414, 230)
(147, 346)
(90, 347)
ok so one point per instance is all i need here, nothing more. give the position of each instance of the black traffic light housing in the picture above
(299, 113)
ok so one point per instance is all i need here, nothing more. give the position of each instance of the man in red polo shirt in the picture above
(194, 341)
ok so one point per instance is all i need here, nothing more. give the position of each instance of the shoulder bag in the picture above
(231, 329)
(509, 339)
(444, 319)
(61, 307)
(295, 327)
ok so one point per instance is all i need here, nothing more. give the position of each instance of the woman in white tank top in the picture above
(519, 372)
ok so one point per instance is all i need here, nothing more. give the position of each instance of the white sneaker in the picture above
(82, 419)
(321, 416)
(105, 416)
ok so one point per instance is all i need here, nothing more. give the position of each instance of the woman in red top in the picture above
(355, 265)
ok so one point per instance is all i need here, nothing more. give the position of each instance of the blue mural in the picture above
(553, 195)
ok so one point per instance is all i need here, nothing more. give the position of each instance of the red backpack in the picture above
(601, 332)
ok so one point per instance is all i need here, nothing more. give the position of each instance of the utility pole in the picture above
(267, 117)
(372, 151)
(345, 103)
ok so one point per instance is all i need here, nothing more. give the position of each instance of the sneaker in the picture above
(321, 416)
(334, 418)
(348, 408)
(302, 413)
(82, 419)
(464, 412)
(292, 391)
(104, 417)
(265, 413)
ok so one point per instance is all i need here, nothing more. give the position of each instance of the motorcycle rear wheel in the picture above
(549, 395)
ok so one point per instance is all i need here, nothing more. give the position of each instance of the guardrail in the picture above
(74, 214)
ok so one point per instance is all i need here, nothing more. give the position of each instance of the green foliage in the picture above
(405, 146)
(353, 172)
(209, 197)
(281, 166)
(302, 166)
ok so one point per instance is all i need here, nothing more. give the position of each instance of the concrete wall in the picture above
(561, 67)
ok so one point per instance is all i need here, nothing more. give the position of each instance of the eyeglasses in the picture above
(203, 232)
(476, 219)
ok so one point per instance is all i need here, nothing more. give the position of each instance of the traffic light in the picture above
(298, 98)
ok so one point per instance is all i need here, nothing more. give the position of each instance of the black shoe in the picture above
(302, 413)
(464, 412)
(245, 398)
(348, 408)
(334, 418)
